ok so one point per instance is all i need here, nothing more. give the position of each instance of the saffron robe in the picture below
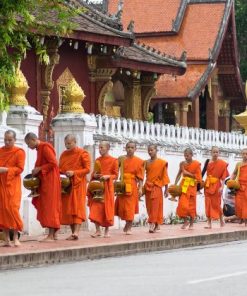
(48, 203)
(216, 172)
(10, 187)
(156, 178)
(187, 201)
(103, 212)
(74, 203)
(127, 205)
(241, 194)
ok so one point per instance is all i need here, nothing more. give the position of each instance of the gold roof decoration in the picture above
(242, 117)
(18, 90)
(72, 98)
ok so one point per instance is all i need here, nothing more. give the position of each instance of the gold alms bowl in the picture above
(96, 188)
(174, 191)
(233, 184)
(119, 187)
(65, 183)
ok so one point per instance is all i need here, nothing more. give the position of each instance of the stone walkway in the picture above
(35, 253)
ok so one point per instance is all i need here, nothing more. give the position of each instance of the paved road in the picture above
(210, 271)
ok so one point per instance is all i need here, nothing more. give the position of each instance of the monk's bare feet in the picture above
(157, 227)
(241, 221)
(7, 244)
(209, 226)
(128, 232)
(151, 227)
(125, 227)
(96, 234)
(17, 243)
(186, 223)
(56, 235)
(191, 225)
(47, 239)
(222, 224)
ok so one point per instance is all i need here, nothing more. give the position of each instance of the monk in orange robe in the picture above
(48, 203)
(240, 173)
(216, 174)
(156, 178)
(127, 205)
(105, 170)
(12, 161)
(75, 164)
(190, 171)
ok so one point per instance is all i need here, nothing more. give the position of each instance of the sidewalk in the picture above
(35, 253)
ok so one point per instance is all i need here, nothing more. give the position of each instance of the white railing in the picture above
(143, 132)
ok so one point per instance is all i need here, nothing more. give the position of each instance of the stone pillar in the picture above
(224, 116)
(25, 119)
(73, 120)
(212, 105)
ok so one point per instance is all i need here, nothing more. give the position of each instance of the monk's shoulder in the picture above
(138, 160)
(223, 162)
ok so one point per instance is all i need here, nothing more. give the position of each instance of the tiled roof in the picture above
(197, 34)
(179, 86)
(198, 27)
(161, 13)
(147, 55)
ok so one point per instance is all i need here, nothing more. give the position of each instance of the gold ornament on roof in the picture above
(72, 98)
(18, 90)
(242, 120)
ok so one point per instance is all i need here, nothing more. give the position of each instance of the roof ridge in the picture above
(157, 53)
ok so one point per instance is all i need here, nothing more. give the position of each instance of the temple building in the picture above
(211, 91)
(116, 73)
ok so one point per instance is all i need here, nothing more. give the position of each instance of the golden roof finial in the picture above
(18, 90)
(73, 96)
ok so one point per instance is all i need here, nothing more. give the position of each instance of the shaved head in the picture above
(131, 143)
(70, 137)
(153, 146)
(31, 136)
(11, 133)
(189, 151)
(105, 143)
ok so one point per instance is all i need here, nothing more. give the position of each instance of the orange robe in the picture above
(241, 194)
(187, 201)
(10, 187)
(74, 203)
(127, 205)
(48, 203)
(216, 172)
(103, 212)
(156, 178)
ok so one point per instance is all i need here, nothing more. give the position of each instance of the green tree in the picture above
(241, 22)
(22, 25)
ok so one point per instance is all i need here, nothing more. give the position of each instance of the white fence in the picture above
(144, 132)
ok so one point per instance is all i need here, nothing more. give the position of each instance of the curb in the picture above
(48, 257)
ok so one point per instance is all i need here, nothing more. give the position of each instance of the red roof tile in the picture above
(156, 16)
(197, 34)
(179, 87)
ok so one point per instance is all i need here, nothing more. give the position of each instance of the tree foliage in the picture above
(241, 23)
(22, 25)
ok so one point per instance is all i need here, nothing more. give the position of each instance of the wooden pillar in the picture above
(196, 113)
(134, 100)
(212, 105)
(224, 116)
(184, 114)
